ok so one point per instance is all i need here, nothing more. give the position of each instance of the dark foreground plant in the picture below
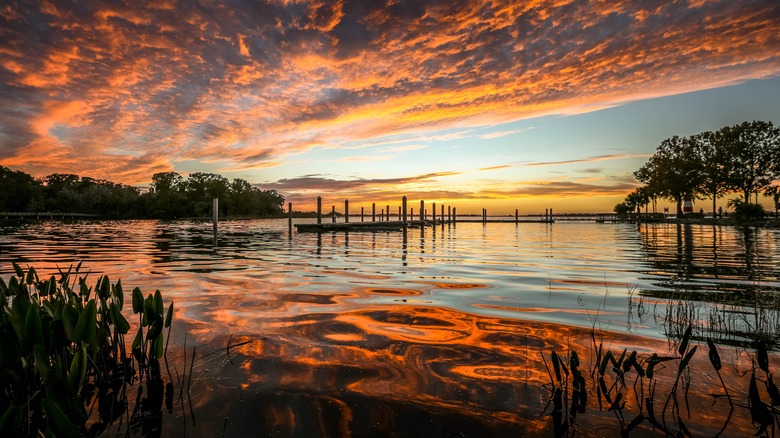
(62, 352)
(615, 379)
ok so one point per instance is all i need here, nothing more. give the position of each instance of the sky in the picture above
(477, 104)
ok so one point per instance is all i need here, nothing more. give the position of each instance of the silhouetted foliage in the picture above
(743, 158)
(170, 196)
(20, 191)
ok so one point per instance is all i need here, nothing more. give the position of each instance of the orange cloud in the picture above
(251, 86)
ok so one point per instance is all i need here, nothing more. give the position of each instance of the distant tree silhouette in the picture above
(675, 171)
(752, 151)
(170, 196)
(743, 158)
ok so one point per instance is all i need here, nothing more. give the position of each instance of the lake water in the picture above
(439, 332)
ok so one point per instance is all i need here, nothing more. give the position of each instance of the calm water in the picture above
(437, 333)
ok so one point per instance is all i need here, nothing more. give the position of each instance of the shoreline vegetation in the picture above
(170, 196)
(63, 353)
(741, 159)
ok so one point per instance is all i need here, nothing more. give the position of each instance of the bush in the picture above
(62, 350)
(745, 212)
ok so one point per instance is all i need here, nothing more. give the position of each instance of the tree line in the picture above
(170, 196)
(741, 159)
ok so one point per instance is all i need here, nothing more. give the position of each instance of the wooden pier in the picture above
(9, 215)
(405, 218)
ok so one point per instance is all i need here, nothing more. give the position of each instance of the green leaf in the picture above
(32, 276)
(150, 316)
(138, 301)
(78, 370)
(84, 291)
(19, 271)
(86, 326)
(57, 421)
(156, 330)
(158, 303)
(169, 316)
(121, 324)
(105, 287)
(119, 294)
(33, 331)
(13, 286)
(41, 362)
(11, 421)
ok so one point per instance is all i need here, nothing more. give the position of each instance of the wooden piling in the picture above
(411, 214)
(422, 210)
(517, 216)
(361, 214)
(333, 213)
(454, 214)
(388, 214)
(346, 210)
(215, 205)
(442, 213)
(433, 213)
(289, 217)
(319, 210)
(449, 213)
(373, 212)
(403, 208)
(382, 215)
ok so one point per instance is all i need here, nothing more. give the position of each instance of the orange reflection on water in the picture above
(399, 363)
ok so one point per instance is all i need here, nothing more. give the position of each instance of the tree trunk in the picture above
(714, 204)
(679, 208)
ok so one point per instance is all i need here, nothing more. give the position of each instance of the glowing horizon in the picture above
(500, 105)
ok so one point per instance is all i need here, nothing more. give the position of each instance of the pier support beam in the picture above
(373, 212)
(362, 216)
(215, 205)
(517, 216)
(333, 213)
(346, 210)
(422, 210)
(289, 217)
(319, 210)
(454, 214)
(403, 209)
(433, 213)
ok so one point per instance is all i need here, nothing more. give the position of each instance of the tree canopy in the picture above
(170, 196)
(743, 158)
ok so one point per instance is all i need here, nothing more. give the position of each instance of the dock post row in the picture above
(405, 217)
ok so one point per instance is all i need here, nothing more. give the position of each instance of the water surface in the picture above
(366, 332)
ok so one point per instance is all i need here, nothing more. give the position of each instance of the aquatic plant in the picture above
(62, 351)
(611, 379)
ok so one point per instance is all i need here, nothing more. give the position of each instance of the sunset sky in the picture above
(493, 104)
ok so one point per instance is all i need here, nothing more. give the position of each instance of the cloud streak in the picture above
(122, 89)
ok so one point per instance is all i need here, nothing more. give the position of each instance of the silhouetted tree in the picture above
(19, 192)
(674, 171)
(751, 150)
(714, 158)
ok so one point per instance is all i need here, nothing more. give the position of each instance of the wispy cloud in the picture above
(589, 159)
(499, 134)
